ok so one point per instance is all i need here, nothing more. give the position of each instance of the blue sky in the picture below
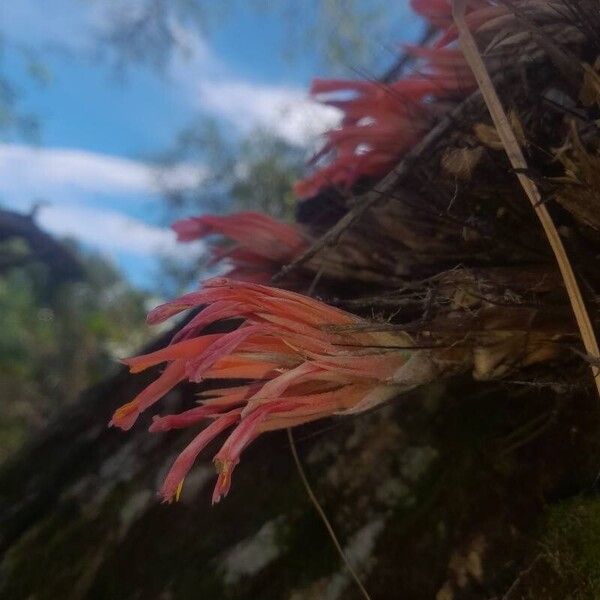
(98, 132)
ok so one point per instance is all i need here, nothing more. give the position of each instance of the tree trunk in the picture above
(451, 493)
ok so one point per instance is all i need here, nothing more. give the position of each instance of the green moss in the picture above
(60, 546)
(571, 542)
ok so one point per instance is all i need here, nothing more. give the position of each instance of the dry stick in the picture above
(517, 160)
(323, 516)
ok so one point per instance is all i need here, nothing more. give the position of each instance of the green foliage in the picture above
(255, 173)
(151, 30)
(343, 33)
(346, 34)
(267, 169)
(571, 545)
(57, 339)
(13, 120)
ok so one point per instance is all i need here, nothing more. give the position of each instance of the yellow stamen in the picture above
(178, 490)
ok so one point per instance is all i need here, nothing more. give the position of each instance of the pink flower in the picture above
(381, 122)
(261, 244)
(446, 66)
(304, 360)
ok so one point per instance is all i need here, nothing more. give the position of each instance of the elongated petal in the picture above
(262, 244)
(229, 455)
(126, 415)
(183, 463)
(186, 349)
(181, 420)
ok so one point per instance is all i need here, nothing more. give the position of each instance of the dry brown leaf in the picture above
(506, 39)
(580, 192)
(590, 89)
(461, 162)
(488, 135)
(509, 137)
(504, 352)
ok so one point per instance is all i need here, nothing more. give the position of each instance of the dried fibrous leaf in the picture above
(504, 352)
(580, 192)
(461, 162)
(590, 89)
(505, 39)
(488, 135)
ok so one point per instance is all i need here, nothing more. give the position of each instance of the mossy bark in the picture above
(453, 492)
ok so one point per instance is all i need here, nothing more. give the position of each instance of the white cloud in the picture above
(201, 76)
(211, 87)
(287, 111)
(28, 172)
(77, 184)
(111, 232)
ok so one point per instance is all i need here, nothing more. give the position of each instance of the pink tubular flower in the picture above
(261, 244)
(303, 360)
(382, 122)
(445, 66)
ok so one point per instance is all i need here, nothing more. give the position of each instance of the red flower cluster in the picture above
(304, 360)
(380, 123)
(383, 121)
(261, 244)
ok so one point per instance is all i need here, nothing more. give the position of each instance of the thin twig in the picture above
(517, 160)
(398, 67)
(323, 516)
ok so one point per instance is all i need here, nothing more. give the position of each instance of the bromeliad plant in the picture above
(435, 273)
(304, 360)
(383, 121)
